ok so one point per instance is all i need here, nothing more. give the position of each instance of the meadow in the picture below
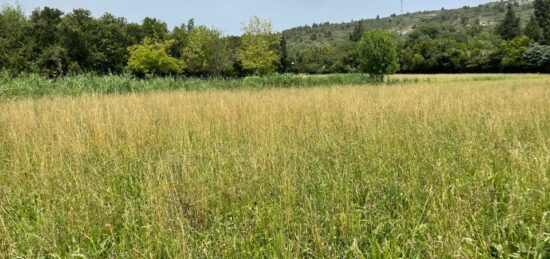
(424, 167)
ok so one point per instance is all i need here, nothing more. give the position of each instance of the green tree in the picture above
(154, 29)
(77, 37)
(533, 30)
(45, 27)
(220, 62)
(345, 57)
(537, 58)
(358, 32)
(197, 50)
(190, 25)
(542, 14)
(150, 57)
(259, 47)
(233, 44)
(14, 41)
(54, 61)
(317, 60)
(378, 54)
(179, 35)
(47, 51)
(431, 30)
(110, 45)
(510, 27)
(284, 64)
(205, 53)
(511, 53)
(135, 33)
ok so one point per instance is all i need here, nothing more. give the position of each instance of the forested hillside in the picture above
(468, 39)
(485, 16)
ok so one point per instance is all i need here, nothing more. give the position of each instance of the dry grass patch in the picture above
(443, 168)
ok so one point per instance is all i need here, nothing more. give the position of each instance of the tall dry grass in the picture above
(434, 169)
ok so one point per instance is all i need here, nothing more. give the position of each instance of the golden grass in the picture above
(456, 168)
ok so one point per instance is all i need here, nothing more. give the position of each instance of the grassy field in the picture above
(450, 166)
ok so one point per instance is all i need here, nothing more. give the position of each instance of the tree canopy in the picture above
(542, 15)
(258, 52)
(378, 54)
(205, 52)
(510, 26)
(151, 57)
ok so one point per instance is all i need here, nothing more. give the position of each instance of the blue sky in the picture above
(228, 15)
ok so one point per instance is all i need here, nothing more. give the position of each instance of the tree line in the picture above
(55, 44)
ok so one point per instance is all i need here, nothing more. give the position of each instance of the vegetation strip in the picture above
(34, 86)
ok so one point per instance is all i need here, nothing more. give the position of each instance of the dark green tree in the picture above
(179, 36)
(284, 64)
(510, 27)
(313, 37)
(14, 42)
(111, 42)
(54, 61)
(135, 33)
(358, 32)
(431, 30)
(48, 56)
(542, 14)
(44, 28)
(154, 29)
(234, 45)
(537, 58)
(317, 60)
(349, 59)
(533, 30)
(190, 25)
(77, 37)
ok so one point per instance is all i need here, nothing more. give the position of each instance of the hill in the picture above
(485, 16)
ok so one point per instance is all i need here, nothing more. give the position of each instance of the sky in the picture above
(229, 15)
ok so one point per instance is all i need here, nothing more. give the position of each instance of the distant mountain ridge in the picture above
(485, 15)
